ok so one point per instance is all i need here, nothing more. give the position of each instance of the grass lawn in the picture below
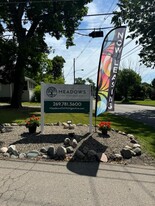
(146, 102)
(144, 134)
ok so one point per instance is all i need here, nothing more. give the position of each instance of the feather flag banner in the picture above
(108, 68)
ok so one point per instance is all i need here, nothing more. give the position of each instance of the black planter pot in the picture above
(104, 132)
(32, 129)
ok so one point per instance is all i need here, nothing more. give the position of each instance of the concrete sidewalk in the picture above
(75, 184)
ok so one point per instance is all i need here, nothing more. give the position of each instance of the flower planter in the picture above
(32, 129)
(104, 132)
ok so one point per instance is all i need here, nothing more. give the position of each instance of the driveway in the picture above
(145, 114)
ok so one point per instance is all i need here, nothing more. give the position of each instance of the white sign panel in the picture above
(67, 92)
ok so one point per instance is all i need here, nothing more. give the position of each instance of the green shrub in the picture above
(37, 93)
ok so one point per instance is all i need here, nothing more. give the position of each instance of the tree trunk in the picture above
(18, 83)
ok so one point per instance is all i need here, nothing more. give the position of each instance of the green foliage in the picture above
(58, 64)
(37, 93)
(139, 16)
(153, 83)
(127, 83)
(28, 23)
(79, 80)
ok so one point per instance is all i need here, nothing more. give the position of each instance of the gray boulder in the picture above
(126, 153)
(73, 143)
(22, 156)
(67, 141)
(11, 148)
(51, 152)
(61, 152)
(137, 151)
(69, 149)
(43, 150)
(136, 145)
(32, 154)
(6, 154)
(118, 157)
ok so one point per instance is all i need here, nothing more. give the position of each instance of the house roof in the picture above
(30, 80)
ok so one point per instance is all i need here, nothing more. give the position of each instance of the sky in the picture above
(86, 51)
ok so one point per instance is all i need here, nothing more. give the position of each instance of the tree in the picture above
(38, 67)
(139, 16)
(153, 83)
(152, 96)
(79, 80)
(58, 64)
(27, 23)
(127, 81)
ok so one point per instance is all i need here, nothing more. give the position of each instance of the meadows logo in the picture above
(51, 92)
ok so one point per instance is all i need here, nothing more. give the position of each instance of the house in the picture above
(6, 90)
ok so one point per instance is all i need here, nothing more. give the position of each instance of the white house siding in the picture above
(6, 90)
(27, 95)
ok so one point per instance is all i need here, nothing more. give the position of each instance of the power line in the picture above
(83, 49)
(130, 51)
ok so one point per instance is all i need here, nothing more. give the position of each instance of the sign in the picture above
(66, 98)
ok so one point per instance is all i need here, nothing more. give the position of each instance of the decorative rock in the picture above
(32, 154)
(69, 149)
(22, 156)
(14, 124)
(14, 156)
(67, 141)
(12, 150)
(136, 145)
(6, 154)
(133, 153)
(133, 141)
(7, 124)
(79, 155)
(73, 143)
(15, 152)
(118, 157)
(66, 126)
(102, 157)
(126, 153)
(61, 152)
(72, 126)
(79, 124)
(3, 149)
(131, 136)
(43, 150)
(128, 147)
(3, 130)
(51, 152)
(45, 156)
(137, 151)
(59, 123)
(120, 132)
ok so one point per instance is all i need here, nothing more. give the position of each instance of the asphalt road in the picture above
(73, 184)
(145, 114)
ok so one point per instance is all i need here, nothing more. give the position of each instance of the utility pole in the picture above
(74, 70)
